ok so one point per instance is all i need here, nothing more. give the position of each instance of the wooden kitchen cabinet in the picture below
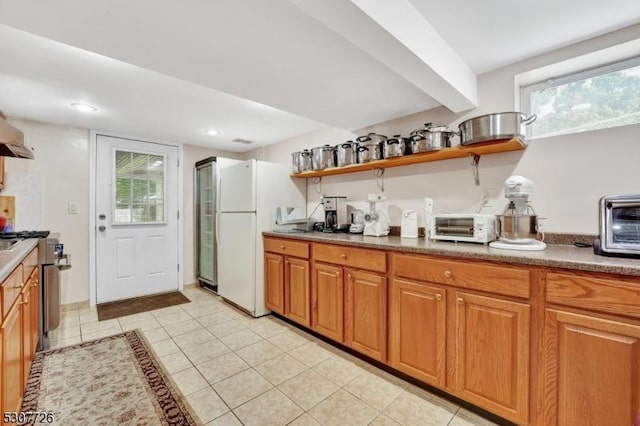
(297, 290)
(327, 301)
(349, 297)
(492, 354)
(29, 321)
(417, 321)
(18, 330)
(489, 336)
(12, 359)
(592, 350)
(365, 313)
(287, 279)
(592, 370)
(274, 282)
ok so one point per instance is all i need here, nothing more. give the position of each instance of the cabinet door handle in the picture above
(344, 256)
(447, 273)
(438, 296)
(19, 286)
(35, 284)
(349, 276)
(282, 247)
(24, 303)
(460, 301)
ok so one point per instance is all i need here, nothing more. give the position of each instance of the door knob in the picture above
(101, 228)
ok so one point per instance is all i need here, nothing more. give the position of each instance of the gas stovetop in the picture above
(23, 235)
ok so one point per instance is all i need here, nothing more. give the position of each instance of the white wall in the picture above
(570, 172)
(59, 174)
(192, 154)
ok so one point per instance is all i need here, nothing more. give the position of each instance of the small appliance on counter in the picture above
(376, 222)
(357, 222)
(519, 225)
(409, 224)
(464, 227)
(428, 217)
(292, 219)
(335, 212)
(619, 226)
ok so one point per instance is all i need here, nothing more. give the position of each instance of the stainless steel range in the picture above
(51, 260)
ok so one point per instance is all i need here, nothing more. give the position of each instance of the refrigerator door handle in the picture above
(217, 227)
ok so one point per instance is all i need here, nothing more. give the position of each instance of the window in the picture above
(599, 98)
(139, 188)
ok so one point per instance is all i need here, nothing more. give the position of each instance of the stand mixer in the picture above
(376, 222)
(518, 223)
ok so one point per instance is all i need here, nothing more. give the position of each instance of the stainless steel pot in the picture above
(491, 127)
(346, 153)
(431, 138)
(370, 147)
(301, 161)
(396, 146)
(323, 157)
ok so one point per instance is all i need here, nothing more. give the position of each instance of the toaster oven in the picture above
(619, 226)
(465, 227)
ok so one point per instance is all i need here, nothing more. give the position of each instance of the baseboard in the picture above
(74, 306)
(191, 285)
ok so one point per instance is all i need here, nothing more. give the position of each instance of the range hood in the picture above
(12, 141)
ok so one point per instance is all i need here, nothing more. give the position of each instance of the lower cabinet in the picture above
(492, 338)
(18, 331)
(287, 287)
(327, 301)
(592, 370)
(12, 361)
(365, 313)
(417, 324)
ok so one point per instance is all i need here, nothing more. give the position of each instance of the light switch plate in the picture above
(72, 207)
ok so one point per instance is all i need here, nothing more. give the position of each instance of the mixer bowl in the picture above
(518, 229)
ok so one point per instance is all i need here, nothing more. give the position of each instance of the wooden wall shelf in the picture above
(493, 147)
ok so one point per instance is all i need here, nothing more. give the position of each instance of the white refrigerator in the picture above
(249, 193)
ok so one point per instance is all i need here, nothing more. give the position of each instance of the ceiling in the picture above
(267, 70)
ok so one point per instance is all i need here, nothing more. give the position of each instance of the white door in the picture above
(137, 218)
(238, 187)
(237, 259)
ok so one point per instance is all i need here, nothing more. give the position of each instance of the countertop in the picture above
(555, 255)
(9, 259)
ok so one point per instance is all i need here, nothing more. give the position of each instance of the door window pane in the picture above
(139, 188)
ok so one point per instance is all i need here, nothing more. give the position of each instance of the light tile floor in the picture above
(234, 369)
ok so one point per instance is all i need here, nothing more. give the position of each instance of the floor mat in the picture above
(136, 305)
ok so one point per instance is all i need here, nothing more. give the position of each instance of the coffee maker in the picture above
(334, 214)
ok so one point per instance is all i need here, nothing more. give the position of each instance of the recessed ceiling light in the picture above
(212, 132)
(84, 107)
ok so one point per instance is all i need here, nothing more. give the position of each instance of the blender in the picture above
(376, 222)
(519, 226)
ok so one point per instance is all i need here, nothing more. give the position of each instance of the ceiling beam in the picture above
(397, 35)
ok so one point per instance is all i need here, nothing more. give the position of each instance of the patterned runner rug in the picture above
(114, 380)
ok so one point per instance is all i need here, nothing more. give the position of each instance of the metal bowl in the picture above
(518, 229)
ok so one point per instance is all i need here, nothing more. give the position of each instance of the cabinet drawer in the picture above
(288, 247)
(599, 294)
(372, 260)
(11, 289)
(485, 277)
(29, 264)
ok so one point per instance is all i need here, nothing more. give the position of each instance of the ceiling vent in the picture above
(243, 141)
